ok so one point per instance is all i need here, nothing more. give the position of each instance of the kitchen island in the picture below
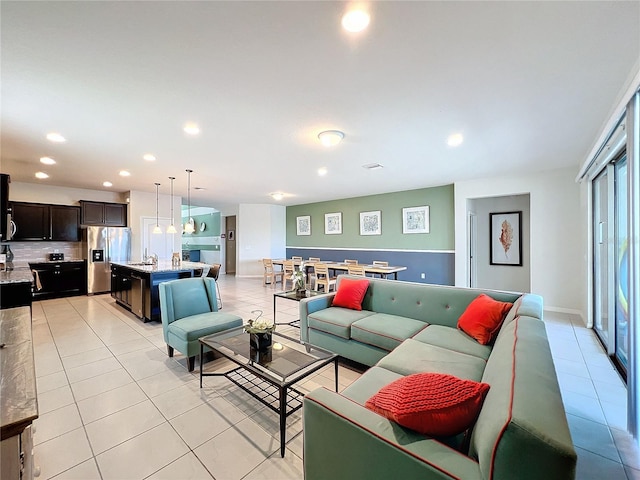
(134, 285)
(16, 281)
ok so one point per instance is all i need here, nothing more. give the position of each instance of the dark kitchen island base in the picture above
(134, 286)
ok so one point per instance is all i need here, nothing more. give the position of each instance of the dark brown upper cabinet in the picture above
(101, 213)
(39, 221)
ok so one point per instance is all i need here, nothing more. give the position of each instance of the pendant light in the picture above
(171, 228)
(157, 228)
(188, 226)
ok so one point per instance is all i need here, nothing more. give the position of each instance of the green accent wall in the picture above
(202, 240)
(441, 225)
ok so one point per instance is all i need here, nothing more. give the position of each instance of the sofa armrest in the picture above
(342, 439)
(310, 305)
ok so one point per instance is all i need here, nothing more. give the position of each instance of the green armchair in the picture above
(189, 310)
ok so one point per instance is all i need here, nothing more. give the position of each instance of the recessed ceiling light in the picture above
(107, 184)
(149, 158)
(455, 140)
(329, 138)
(124, 173)
(41, 175)
(355, 21)
(372, 166)
(277, 195)
(47, 160)
(322, 171)
(192, 128)
(55, 137)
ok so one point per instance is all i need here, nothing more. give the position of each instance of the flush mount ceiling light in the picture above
(157, 228)
(188, 226)
(124, 173)
(47, 161)
(191, 128)
(107, 184)
(355, 21)
(329, 138)
(455, 139)
(149, 157)
(171, 228)
(277, 196)
(41, 175)
(372, 166)
(55, 137)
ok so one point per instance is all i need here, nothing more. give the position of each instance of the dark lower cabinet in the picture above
(15, 295)
(61, 279)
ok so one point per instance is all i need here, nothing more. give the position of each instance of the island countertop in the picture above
(19, 273)
(164, 266)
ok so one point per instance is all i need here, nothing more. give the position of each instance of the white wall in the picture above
(143, 205)
(558, 245)
(260, 233)
(42, 193)
(502, 277)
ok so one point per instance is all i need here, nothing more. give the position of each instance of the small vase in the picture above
(301, 292)
(260, 341)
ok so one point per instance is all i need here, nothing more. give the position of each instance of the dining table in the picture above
(383, 271)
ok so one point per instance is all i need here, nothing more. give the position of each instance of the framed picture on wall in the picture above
(333, 223)
(415, 219)
(505, 241)
(370, 223)
(303, 225)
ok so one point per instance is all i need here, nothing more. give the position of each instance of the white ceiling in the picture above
(529, 84)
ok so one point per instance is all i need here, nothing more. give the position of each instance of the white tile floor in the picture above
(114, 406)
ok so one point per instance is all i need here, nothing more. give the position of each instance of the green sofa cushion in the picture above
(453, 339)
(369, 383)
(413, 356)
(196, 326)
(385, 331)
(336, 320)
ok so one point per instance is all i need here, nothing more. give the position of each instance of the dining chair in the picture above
(214, 272)
(271, 275)
(311, 270)
(323, 278)
(380, 263)
(296, 259)
(356, 270)
(288, 267)
(351, 262)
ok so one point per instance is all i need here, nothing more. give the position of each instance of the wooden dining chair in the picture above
(351, 262)
(380, 263)
(271, 275)
(288, 267)
(323, 278)
(311, 270)
(356, 270)
(296, 259)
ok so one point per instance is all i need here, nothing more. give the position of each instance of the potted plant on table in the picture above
(260, 331)
(299, 281)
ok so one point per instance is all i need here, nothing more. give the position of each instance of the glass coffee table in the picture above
(291, 295)
(269, 376)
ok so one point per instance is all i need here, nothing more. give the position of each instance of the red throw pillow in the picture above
(434, 404)
(483, 317)
(350, 293)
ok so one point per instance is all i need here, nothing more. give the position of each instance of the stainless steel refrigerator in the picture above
(101, 246)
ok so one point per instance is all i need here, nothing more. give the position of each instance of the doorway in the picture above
(230, 244)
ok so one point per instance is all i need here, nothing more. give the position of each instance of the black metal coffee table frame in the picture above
(279, 395)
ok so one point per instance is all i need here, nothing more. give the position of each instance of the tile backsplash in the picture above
(39, 251)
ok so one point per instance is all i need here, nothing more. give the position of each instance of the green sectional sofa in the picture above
(521, 431)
